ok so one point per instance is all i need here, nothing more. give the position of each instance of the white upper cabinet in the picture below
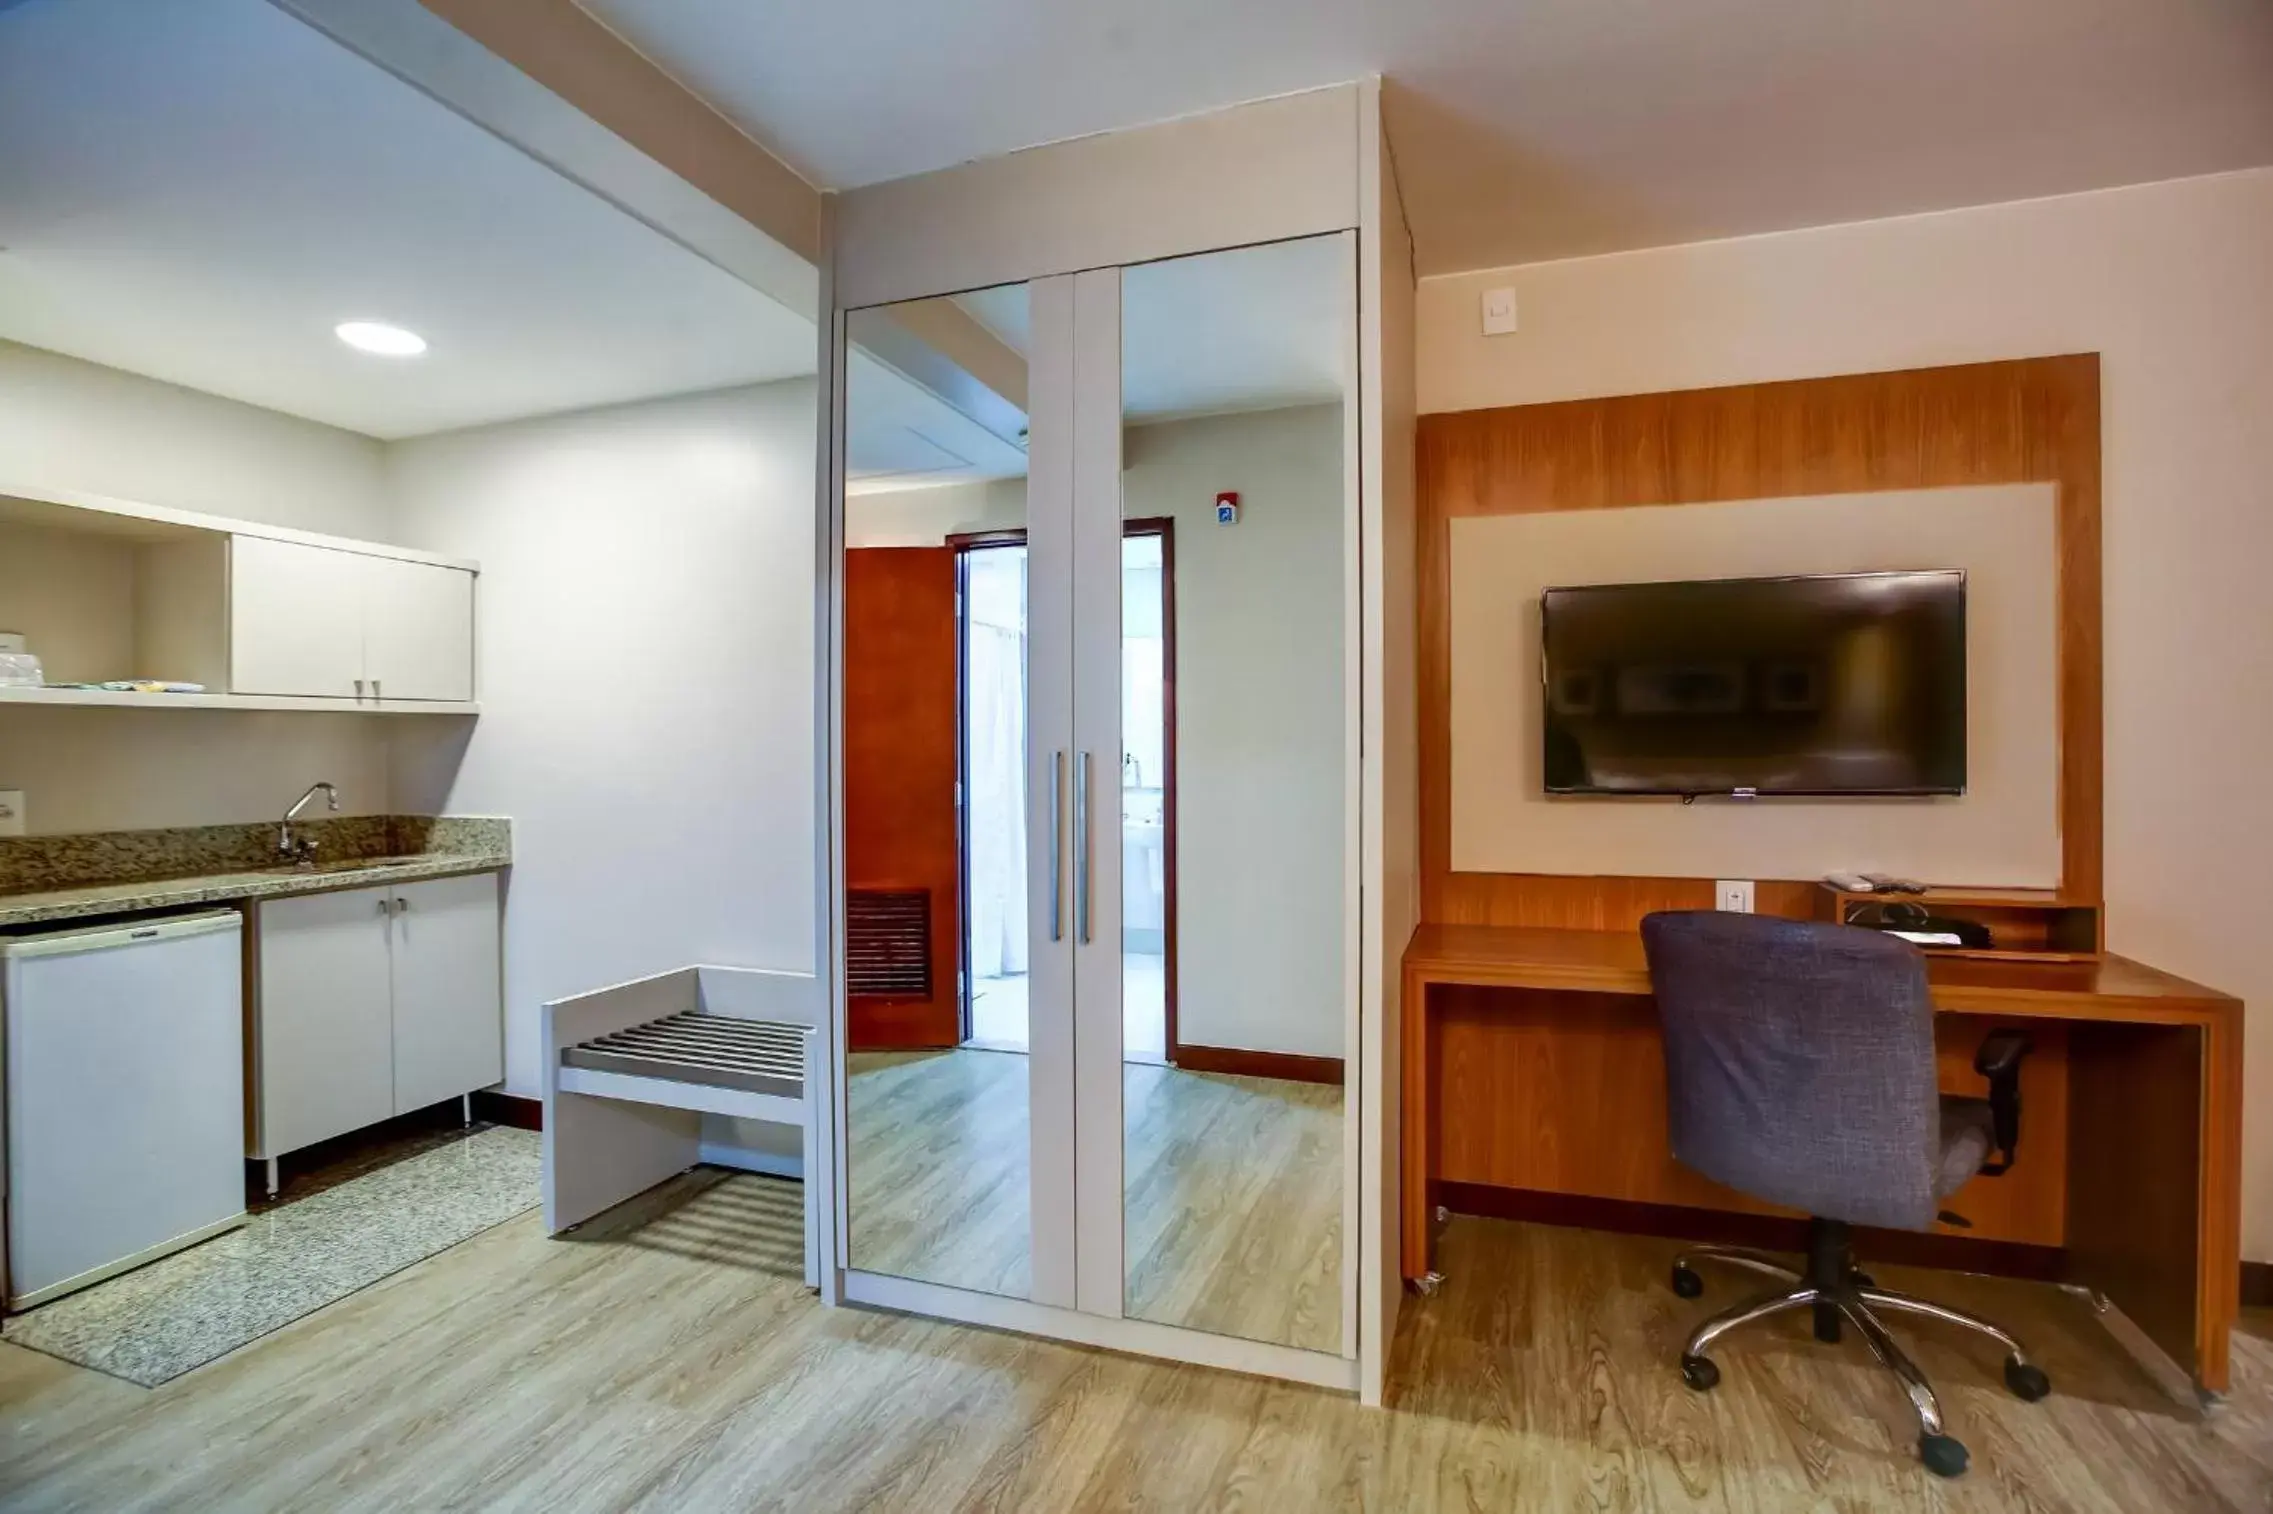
(324, 622)
(295, 619)
(115, 596)
(418, 630)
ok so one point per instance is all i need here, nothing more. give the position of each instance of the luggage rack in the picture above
(761, 1057)
(632, 1071)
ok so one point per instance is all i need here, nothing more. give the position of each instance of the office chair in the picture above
(1799, 1068)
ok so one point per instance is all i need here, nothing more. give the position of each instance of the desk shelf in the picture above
(2026, 925)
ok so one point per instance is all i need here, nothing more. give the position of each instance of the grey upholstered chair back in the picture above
(1799, 1062)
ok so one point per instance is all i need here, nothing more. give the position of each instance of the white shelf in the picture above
(108, 698)
(72, 510)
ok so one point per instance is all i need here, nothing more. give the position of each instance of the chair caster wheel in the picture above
(1427, 1284)
(1864, 1280)
(1686, 1283)
(1944, 1455)
(1699, 1373)
(2026, 1379)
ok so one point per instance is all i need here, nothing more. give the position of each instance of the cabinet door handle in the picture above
(358, 688)
(386, 906)
(375, 689)
(1081, 849)
(1057, 845)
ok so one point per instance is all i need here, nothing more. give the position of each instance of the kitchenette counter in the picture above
(75, 877)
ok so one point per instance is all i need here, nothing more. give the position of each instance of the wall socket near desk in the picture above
(1733, 894)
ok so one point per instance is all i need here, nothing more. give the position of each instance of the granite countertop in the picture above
(116, 872)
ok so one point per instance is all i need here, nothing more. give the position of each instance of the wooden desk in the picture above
(2140, 1181)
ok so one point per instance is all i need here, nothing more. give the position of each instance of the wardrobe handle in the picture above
(1057, 846)
(1081, 849)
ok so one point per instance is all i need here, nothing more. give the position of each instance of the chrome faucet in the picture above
(299, 850)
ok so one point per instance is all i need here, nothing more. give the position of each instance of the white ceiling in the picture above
(1529, 129)
(201, 192)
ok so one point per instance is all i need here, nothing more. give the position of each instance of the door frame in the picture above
(1164, 527)
(966, 542)
(962, 544)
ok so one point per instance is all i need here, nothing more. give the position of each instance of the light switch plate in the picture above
(1734, 894)
(1499, 312)
(11, 812)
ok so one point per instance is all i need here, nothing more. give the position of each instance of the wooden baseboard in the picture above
(2257, 1285)
(1257, 1064)
(1768, 1232)
(512, 1109)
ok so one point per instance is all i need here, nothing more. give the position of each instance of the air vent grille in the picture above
(888, 943)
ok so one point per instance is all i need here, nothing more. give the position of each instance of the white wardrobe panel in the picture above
(1050, 758)
(1097, 776)
(1253, 173)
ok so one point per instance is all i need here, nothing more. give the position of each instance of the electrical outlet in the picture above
(1733, 894)
(11, 812)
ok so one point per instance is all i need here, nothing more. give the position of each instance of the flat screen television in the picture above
(1850, 683)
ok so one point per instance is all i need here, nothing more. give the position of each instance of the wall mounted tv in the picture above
(1848, 683)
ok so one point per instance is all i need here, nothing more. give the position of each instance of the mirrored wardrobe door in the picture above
(1230, 804)
(949, 959)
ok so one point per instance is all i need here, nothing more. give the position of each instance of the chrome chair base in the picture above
(1838, 1292)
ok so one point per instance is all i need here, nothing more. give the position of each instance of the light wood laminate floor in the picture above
(1233, 1217)
(680, 1365)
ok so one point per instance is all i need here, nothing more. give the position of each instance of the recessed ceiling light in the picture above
(379, 337)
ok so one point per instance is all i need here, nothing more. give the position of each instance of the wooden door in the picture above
(418, 630)
(326, 1038)
(449, 1017)
(899, 798)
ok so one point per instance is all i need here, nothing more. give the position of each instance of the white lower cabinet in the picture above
(373, 1002)
(325, 1018)
(448, 1033)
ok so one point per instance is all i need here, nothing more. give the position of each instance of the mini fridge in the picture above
(124, 1082)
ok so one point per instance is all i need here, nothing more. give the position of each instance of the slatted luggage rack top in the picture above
(756, 1056)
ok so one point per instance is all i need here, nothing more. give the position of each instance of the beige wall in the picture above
(80, 426)
(70, 595)
(2003, 831)
(2170, 283)
(646, 653)
(927, 517)
(98, 430)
